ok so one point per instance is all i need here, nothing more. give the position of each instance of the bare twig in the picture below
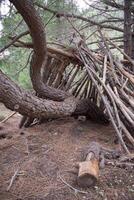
(76, 191)
(8, 117)
(13, 41)
(13, 179)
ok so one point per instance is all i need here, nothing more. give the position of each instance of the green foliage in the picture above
(13, 62)
(58, 29)
(24, 79)
(14, 59)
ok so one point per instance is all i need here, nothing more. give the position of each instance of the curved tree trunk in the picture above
(37, 31)
(25, 102)
(28, 104)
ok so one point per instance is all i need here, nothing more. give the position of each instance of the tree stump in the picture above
(89, 169)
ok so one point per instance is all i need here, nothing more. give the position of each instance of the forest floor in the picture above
(43, 158)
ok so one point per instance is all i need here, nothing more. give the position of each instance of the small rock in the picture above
(82, 118)
(56, 133)
(84, 197)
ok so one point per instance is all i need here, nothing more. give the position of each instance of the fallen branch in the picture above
(8, 117)
(13, 179)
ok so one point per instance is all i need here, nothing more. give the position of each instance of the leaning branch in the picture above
(61, 14)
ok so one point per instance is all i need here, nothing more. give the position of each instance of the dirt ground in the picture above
(43, 157)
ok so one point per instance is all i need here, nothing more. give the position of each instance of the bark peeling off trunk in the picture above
(27, 104)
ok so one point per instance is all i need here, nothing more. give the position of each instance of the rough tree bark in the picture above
(30, 105)
(27, 104)
(37, 31)
(127, 27)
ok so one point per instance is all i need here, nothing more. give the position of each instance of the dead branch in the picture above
(8, 117)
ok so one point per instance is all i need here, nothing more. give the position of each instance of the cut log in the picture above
(89, 169)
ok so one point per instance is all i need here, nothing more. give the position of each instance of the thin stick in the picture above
(13, 41)
(8, 117)
(105, 69)
(12, 179)
(129, 59)
(74, 189)
(91, 72)
(28, 60)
